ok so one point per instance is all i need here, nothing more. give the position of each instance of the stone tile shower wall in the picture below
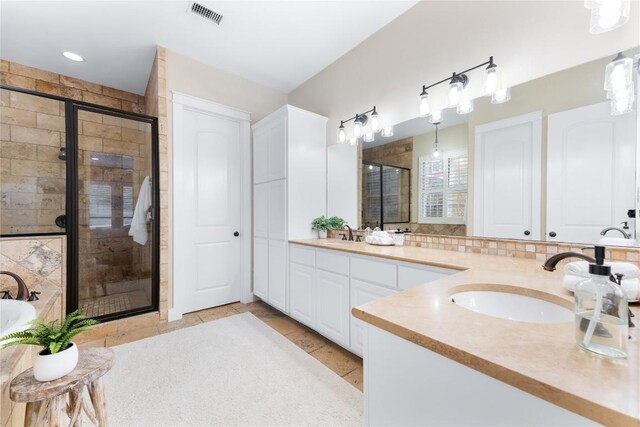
(114, 156)
(32, 177)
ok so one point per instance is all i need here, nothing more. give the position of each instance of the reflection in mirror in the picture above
(385, 194)
(554, 164)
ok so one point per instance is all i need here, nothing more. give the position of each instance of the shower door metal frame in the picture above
(73, 226)
(71, 204)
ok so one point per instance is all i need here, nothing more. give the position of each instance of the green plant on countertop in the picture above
(324, 223)
(54, 336)
(320, 223)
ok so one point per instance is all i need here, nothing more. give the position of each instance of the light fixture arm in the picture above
(460, 74)
(358, 116)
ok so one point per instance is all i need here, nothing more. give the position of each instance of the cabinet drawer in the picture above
(302, 255)
(409, 277)
(381, 273)
(332, 261)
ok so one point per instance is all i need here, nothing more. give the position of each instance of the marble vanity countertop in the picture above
(541, 359)
(9, 357)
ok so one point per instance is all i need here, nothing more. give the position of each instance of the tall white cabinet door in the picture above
(590, 156)
(333, 306)
(260, 148)
(261, 210)
(507, 181)
(277, 293)
(261, 267)
(302, 291)
(277, 150)
(362, 293)
(277, 212)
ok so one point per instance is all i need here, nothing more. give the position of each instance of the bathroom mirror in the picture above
(552, 164)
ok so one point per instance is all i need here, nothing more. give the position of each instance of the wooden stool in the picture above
(47, 401)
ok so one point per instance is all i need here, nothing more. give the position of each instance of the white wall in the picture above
(528, 39)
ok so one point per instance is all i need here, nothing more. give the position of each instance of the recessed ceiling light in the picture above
(73, 56)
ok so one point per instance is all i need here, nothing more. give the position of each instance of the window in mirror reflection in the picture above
(443, 189)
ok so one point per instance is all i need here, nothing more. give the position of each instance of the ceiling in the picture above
(279, 44)
(418, 126)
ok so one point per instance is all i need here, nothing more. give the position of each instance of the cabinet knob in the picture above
(236, 234)
(552, 234)
(527, 232)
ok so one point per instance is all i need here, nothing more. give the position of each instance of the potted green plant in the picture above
(336, 223)
(59, 355)
(321, 224)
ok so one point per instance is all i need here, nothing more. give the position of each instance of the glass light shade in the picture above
(455, 92)
(624, 92)
(375, 122)
(387, 131)
(342, 135)
(622, 105)
(465, 106)
(501, 95)
(357, 129)
(618, 74)
(424, 105)
(610, 15)
(492, 80)
(368, 137)
(436, 116)
(436, 153)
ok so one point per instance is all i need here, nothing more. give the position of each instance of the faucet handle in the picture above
(625, 225)
(6, 295)
(33, 296)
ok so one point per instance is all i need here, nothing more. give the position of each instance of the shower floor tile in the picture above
(109, 304)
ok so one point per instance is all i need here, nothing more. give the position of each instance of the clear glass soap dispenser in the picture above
(602, 322)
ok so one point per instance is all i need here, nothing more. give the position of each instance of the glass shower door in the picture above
(114, 215)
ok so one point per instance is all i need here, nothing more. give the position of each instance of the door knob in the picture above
(552, 234)
(61, 221)
(236, 234)
(527, 232)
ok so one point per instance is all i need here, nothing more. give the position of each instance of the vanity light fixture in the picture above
(360, 121)
(619, 85)
(72, 56)
(458, 96)
(435, 152)
(607, 15)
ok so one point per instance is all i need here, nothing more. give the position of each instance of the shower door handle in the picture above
(61, 221)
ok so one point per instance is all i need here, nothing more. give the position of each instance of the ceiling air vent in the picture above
(205, 12)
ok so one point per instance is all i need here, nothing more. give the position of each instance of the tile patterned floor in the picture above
(342, 362)
(114, 303)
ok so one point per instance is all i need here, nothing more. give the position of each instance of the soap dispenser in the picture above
(602, 323)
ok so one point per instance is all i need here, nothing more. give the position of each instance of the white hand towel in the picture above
(630, 286)
(581, 268)
(138, 229)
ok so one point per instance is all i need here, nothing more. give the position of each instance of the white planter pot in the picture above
(322, 234)
(49, 367)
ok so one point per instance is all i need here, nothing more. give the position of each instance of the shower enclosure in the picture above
(107, 162)
(386, 195)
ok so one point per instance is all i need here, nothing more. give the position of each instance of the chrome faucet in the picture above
(23, 291)
(608, 229)
(350, 232)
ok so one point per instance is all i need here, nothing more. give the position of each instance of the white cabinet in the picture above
(277, 293)
(302, 291)
(260, 208)
(333, 306)
(324, 285)
(260, 267)
(276, 212)
(362, 293)
(289, 176)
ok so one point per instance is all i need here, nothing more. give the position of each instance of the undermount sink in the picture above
(15, 316)
(511, 306)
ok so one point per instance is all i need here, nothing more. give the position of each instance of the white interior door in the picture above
(590, 172)
(507, 178)
(207, 210)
